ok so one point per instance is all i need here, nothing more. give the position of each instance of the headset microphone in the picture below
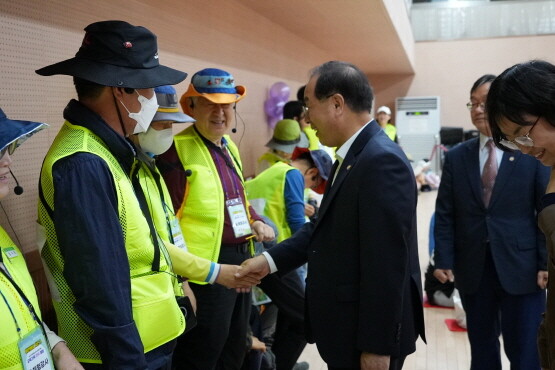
(234, 130)
(188, 173)
(18, 190)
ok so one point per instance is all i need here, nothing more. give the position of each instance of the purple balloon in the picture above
(280, 91)
(274, 110)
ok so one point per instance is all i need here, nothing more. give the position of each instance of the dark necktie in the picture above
(489, 172)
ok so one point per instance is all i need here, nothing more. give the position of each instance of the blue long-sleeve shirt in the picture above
(91, 242)
(294, 200)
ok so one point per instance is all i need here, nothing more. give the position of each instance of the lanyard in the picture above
(146, 213)
(25, 300)
(156, 178)
(234, 181)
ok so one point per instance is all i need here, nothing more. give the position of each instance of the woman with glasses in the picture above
(521, 110)
(25, 341)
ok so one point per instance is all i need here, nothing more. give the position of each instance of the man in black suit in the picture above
(487, 241)
(363, 291)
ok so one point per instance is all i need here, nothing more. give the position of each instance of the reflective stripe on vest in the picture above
(270, 186)
(155, 312)
(15, 264)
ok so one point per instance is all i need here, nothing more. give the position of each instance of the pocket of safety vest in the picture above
(155, 311)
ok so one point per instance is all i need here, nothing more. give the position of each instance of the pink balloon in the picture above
(280, 90)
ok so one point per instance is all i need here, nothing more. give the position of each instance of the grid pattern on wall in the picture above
(35, 33)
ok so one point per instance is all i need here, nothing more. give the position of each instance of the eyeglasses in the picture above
(472, 106)
(10, 148)
(525, 140)
(305, 108)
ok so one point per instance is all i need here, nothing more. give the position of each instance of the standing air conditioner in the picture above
(417, 121)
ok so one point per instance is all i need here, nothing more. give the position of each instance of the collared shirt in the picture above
(341, 153)
(484, 153)
(176, 180)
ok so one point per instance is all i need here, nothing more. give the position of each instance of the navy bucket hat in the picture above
(321, 160)
(116, 53)
(14, 132)
(168, 108)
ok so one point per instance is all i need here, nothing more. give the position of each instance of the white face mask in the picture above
(156, 141)
(145, 115)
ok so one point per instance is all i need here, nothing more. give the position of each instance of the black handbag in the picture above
(186, 307)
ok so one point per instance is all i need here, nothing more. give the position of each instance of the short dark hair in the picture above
(307, 158)
(346, 79)
(292, 109)
(523, 89)
(300, 94)
(87, 89)
(482, 80)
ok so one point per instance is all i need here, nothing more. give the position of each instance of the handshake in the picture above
(242, 278)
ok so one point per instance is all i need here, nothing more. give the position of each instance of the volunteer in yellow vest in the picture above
(279, 189)
(204, 176)
(157, 140)
(285, 138)
(383, 116)
(25, 341)
(111, 283)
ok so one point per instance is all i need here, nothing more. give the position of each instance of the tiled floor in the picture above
(445, 350)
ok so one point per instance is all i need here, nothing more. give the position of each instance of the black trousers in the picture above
(287, 293)
(220, 338)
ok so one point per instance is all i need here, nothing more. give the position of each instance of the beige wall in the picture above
(448, 69)
(34, 33)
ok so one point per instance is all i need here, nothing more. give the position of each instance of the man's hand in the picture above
(444, 275)
(258, 345)
(228, 278)
(189, 293)
(255, 268)
(262, 232)
(370, 361)
(542, 279)
(309, 210)
(64, 359)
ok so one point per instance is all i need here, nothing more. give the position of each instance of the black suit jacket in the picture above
(464, 226)
(363, 289)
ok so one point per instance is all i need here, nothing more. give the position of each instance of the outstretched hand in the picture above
(228, 278)
(254, 268)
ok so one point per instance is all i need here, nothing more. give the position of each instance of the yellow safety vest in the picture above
(155, 311)
(202, 209)
(161, 209)
(15, 264)
(390, 131)
(270, 186)
(271, 158)
(313, 142)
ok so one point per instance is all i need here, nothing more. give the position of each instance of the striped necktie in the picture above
(489, 173)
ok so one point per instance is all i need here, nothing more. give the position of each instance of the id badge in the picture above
(177, 235)
(11, 252)
(34, 351)
(238, 217)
